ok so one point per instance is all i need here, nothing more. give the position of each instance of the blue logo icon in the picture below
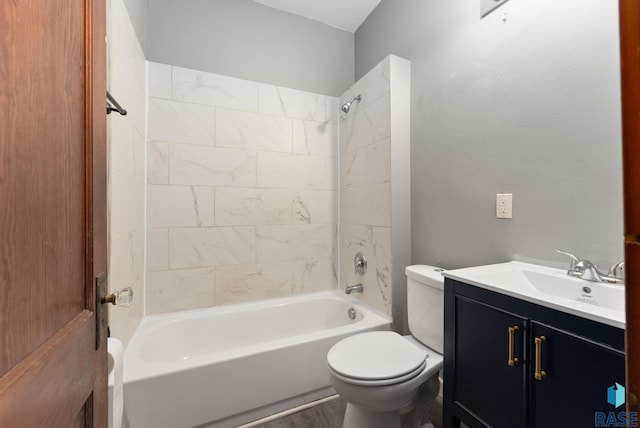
(615, 395)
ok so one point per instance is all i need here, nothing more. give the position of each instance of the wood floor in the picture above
(330, 415)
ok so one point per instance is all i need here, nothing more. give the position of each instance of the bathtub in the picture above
(229, 365)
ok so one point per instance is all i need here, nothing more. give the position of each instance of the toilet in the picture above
(387, 379)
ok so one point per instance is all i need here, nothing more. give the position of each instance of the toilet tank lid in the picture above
(425, 274)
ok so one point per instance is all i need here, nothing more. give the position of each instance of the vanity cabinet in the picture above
(510, 363)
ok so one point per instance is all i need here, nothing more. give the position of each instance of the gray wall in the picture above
(137, 10)
(525, 100)
(243, 39)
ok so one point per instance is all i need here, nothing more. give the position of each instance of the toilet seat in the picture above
(376, 358)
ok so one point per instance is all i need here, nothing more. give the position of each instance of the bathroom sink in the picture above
(549, 287)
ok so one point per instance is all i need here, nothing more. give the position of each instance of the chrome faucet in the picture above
(584, 269)
(354, 289)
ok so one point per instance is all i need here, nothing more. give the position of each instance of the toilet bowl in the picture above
(387, 379)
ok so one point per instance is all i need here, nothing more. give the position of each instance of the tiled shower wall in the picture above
(126, 142)
(241, 190)
(374, 185)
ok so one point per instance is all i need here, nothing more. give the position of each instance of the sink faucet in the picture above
(354, 289)
(584, 269)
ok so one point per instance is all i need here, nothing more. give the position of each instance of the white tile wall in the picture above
(375, 243)
(179, 122)
(199, 87)
(178, 290)
(241, 190)
(250, 282)
(278, 101)
(211, 246)
(287, 170)
(179, 206)
(245, 130)
(126, 155)
(197, 165)
(365, 187)
(250, 206)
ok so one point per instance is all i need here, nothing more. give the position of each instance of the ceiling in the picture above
(344, 14)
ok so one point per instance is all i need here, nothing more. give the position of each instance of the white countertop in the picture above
(549, 287)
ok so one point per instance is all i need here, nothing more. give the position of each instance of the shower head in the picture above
(347, 106)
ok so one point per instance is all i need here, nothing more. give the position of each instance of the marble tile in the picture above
(371, 86)
(333, 110)
(200, 87)
(157, 163)
(157, 249)
(375, 244)
(331, 173)
(211, 166)
(159, 80)
(293, 242)
(291, 103)
(179, 122)
(246, 206)
(315, 206)
(378, 162)
(367, 126)
(353, 169)
(244, 130)
(293, 171)
(379, 277)
(312, 275)
(126, 204)
(250, 282)
(370, 205)
(315, 138)
(126, 261)
(179, 290)
(179, 206)
(127, 82)
(353, 238)
(211, 246)
(139, 153)
(127, 74)
(121, 150)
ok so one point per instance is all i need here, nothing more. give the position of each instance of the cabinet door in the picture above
(577, 374)
(485, 384)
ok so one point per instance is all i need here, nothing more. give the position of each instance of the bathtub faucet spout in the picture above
(354, 289)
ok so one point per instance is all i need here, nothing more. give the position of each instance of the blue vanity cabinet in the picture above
(514, 364)
(578, 373)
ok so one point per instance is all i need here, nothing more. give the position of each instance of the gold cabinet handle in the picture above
(512, 361)
(539, 373)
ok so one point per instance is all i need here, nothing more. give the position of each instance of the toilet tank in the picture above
(425, 305)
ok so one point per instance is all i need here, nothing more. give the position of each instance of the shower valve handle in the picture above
(360, 264)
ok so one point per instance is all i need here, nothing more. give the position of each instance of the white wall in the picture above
(241, 194)
(526, 101)
(250, 41)
(126, 163)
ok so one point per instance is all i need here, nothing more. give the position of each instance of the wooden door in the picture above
(630, 78)
(52, 212)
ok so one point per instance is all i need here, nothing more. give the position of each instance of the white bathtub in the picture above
(225, 366)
